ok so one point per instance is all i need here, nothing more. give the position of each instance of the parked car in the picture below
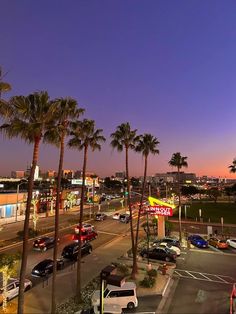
(232, 243)
(45, 267)
(12, 289)
(43, 243)
(198, 241)
(84, 227)
(87, 235)
(169, 240)
(125, 296)
(125, 218)
(168, 245)
(100, 216)
(116, 216)
(71, 251)
(160, 253)
(218, 243)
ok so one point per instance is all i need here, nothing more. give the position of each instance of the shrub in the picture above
(152, 273)
(32, 233)
(124, 269)
(148, 282)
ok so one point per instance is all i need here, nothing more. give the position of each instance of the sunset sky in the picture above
(167, 67)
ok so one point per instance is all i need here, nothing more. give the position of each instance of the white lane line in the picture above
(221, 279)
(178, 273)
(205, 277)
(190, 274)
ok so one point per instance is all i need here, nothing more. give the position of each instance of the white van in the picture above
(124, 296)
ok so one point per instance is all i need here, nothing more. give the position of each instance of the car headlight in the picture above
(36, 271)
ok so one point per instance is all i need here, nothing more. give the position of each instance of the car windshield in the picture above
(106, 292)
(222, 241)
(44, 263)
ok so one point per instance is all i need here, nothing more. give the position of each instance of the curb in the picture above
(167, 296)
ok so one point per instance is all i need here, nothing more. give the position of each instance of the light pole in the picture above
(17, 196)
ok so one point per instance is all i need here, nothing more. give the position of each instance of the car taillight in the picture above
(41, 244)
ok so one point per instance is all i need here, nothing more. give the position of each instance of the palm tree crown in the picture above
(124, 137)
(178, 161)
(147, 144)
(84, 135)
(30, 116)
(232, 168)
(67, 110)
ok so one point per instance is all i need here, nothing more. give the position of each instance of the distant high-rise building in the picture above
(18, 174)
(36, 173)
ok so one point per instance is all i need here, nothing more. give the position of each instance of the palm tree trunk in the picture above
(78, 287)
(20, 309)
(56, 233)
(180, 214)
(135, 266)
(139, 211)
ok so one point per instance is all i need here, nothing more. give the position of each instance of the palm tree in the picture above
(125, 139)
(178, 161)
(232, 168)
(84, 136)
(67, 110)
(146, 145)
(4, 87)
(30, 117)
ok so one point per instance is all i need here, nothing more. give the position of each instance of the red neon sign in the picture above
(160, 210)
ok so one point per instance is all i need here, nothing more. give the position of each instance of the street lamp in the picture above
(17, 196)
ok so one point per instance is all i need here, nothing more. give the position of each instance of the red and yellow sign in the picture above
(159, 207)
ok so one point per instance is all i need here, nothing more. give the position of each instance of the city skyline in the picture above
(167, 68)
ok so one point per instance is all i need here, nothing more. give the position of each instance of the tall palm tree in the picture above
(30, 117)
(146, 145)
(179, 161)
(232, 168)
(126, 139)
(84, 136)
(67, 110)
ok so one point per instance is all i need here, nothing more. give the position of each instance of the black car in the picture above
(125, 218)
(45, 267)
(168, 240)
(160, 253)
(100, 216)
(71, 251)
(43, 243)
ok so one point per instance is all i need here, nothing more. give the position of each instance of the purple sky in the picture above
(167, 67)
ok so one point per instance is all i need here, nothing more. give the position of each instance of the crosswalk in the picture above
(204, 276)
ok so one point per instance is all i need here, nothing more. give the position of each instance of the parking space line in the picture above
(205, 277)
(179, 274)
(221, 279)
(191, 274)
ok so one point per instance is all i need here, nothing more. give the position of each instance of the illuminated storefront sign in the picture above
(159, 207)
(160, 210)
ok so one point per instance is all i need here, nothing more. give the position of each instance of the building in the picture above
(18, 174)
(120, 175)
(51, 174)
(68, 174)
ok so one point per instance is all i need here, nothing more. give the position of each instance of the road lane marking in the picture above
(190, 274)
(221, 279)
(204, 276)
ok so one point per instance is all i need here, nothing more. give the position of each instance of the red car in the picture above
(86, 235)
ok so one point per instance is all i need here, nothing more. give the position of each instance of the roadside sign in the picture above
(160, 210)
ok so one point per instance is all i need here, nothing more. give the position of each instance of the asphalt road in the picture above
(204, 281)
